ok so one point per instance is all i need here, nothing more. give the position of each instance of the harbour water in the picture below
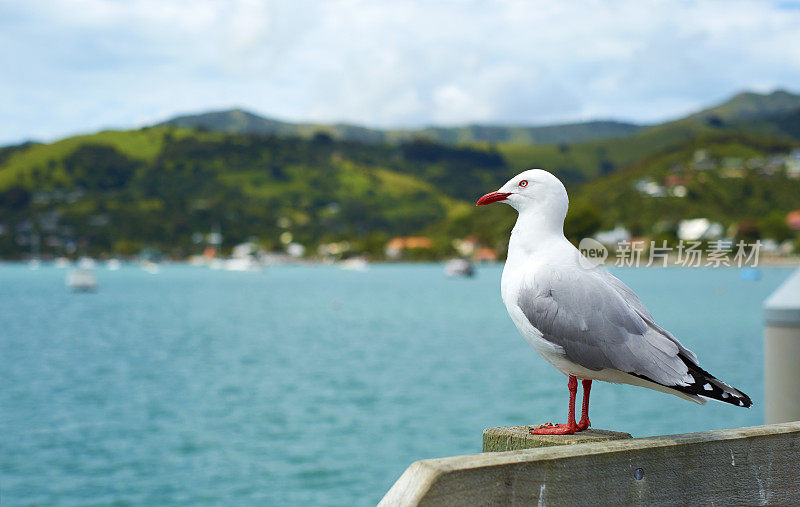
(309, 385)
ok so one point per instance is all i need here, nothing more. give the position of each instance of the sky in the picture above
(76, 66)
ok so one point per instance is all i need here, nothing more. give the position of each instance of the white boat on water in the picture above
(82, 280)
(86, 263)
(354, 264)
(62, 262)
(241, 264)
(150, 266)
(459, 267)
(34, 264)
(113, 264)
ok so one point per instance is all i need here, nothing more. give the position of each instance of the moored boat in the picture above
(82, 280)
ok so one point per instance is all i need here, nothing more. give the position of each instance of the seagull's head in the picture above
(535, 191)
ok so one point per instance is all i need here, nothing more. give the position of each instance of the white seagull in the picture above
(582, 319)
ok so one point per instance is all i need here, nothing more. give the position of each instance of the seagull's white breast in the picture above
(515, 274)
(520, 273)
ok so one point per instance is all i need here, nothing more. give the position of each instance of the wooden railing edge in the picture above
(417, 481)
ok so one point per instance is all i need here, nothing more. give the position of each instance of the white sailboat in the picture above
(459, 267)
(354, 264)
(82, 280)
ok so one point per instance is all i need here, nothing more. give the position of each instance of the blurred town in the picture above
(234, 190)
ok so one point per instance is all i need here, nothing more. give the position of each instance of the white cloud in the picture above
(450, 102)
(83, 64)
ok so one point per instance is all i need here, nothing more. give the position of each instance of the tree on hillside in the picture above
(774, 226)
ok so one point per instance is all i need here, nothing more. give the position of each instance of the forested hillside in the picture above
(238, 121)
(119, 192)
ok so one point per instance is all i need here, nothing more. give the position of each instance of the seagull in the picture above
(581, 318)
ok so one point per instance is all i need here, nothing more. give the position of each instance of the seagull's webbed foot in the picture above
(584, 424)
(556, 429)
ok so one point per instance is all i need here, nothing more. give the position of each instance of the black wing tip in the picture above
(739, 399)
(747, 401)
(709, 386)
(743, 401)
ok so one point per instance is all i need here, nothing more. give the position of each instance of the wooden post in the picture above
(782, 352)
(744, 466)
(513, 438)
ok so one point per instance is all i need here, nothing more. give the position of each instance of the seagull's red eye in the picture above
(523, 183)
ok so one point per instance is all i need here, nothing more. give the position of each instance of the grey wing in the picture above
(634, 302)
(583, 312)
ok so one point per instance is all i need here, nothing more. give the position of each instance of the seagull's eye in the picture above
(523, 183)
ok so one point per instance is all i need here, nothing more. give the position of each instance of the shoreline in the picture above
(786, 262)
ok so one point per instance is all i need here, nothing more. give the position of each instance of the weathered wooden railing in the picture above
(745, 466)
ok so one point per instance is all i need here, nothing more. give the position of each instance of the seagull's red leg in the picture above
(563, 429)
(584, 422)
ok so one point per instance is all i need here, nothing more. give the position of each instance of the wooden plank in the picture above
(744, 466)
(513, 438)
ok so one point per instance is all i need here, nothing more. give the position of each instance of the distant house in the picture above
(243, 250)
(675, 179)
(732, 172)
(467, 246)
(650, 188)
(676, 185)
(485, 255)
(699, 228)
(702, 161)
(334, 249)
(755, 163)
(732, 163)
(678, 191)
(395, 246)
(793, 165)
(295, 249)
(793, 220)
(732, 167)
(614, 236)
(700, 156)
(774, 164)
(418, 242)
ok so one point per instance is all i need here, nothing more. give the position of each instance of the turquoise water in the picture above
(309, 385)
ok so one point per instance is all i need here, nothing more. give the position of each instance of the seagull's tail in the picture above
(709, 386)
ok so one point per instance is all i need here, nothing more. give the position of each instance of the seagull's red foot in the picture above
(584, 424)
(555, 429)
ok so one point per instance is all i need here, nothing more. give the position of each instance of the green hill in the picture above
(553, 134)
(734, 186)
(121, 191)
(749, 105)
(238, 121)
(156, 187)
(743, 107)
(774, 116)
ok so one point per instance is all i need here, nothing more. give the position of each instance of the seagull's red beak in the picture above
(492, 197)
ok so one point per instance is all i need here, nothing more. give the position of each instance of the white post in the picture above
(782, 352)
